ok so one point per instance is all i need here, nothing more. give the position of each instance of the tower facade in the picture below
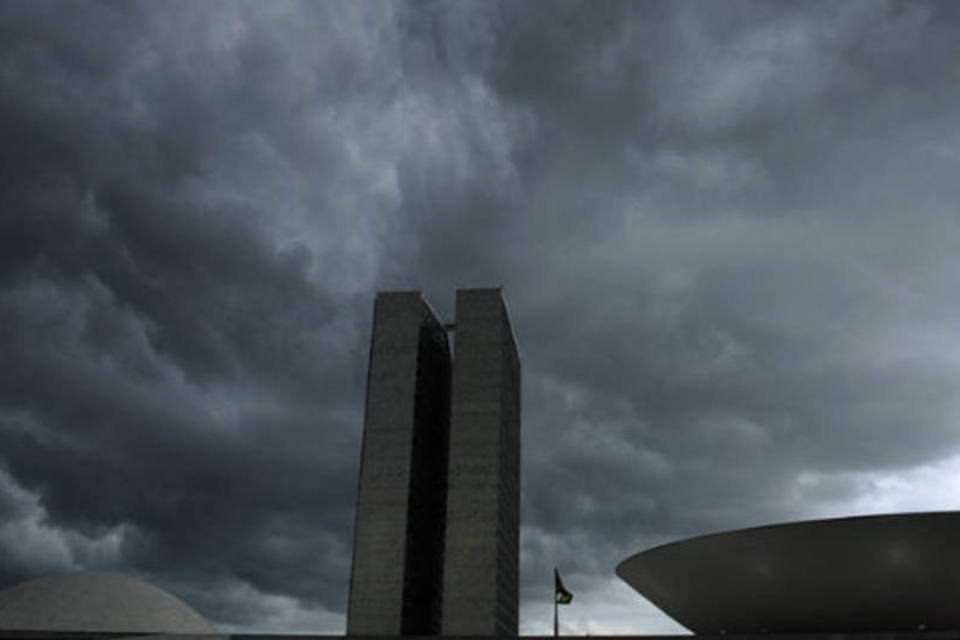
(395, 584)
(480, 580)
(437, 527)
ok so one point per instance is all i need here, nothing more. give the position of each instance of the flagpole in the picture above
(555, 603)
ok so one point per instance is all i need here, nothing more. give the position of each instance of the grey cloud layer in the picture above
(726, 235)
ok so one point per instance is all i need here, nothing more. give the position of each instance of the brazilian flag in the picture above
(562, 595)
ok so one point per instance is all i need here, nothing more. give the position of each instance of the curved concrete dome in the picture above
(96, 602)
(895, 572)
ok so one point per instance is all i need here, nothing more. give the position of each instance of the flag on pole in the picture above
(562, 595)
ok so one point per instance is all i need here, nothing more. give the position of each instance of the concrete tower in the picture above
(480, 591)
(437, 529)
(398, 547)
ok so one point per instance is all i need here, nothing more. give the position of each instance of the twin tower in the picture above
(437, 530)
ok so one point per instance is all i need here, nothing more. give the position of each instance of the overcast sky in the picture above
(727, 233)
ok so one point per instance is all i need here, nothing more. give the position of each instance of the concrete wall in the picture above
(398, 553)
(437, 531)
(482, 539)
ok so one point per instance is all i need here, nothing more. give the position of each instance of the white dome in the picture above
(110, 602)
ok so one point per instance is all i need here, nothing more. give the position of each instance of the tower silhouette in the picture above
(436, 546)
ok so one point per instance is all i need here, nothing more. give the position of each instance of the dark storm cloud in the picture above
(740, 248)
(182, 342)
(727, 262)
(725, 231)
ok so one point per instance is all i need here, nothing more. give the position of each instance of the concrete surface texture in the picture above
(879, 573)
(437, 528)
(96, 602)
(398, 547)
(480, 586)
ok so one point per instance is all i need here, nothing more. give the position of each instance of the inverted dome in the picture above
(897, 572)
(110, 602)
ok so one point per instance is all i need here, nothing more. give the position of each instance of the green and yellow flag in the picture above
(562, 595)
